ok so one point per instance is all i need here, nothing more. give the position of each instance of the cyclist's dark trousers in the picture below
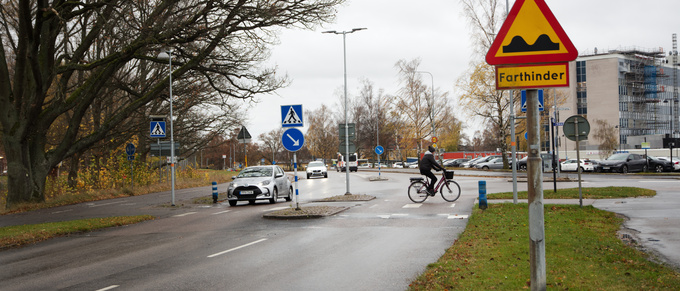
(433, 178)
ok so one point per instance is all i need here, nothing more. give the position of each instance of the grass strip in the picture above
(583, 252)
(588, 193)
(12, 236)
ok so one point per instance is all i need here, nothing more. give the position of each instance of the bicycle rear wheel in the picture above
(417, 191)
(450, 191)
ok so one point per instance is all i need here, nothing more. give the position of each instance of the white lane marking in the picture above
(104, 204)
(384, 216)
(412, 206)
(657, 181)
(456, 216)
(109, 288)
(400, 214)
(67, 210)
(184, 214)
(221, 212)
(236, 248)
(453, 205)
(372, 206)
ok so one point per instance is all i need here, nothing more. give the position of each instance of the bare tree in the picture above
(606, 134)
(321, 138)
(272, 144)
(411, 106)
(71, 60)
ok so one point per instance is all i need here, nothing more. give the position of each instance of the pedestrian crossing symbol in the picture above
(291, 116)
(157, 129)
(540, 100)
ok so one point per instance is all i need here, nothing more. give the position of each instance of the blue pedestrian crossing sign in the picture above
(157, 129)
(292, 139)
(291, 116)
(540, 100)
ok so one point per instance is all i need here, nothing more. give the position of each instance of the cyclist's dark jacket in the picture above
(427, 163)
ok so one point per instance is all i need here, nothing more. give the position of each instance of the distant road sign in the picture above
(292, 139)
(130, 149)
(570, 126)
(157, 129)
(243, 135)
(379, 150)
(291, 116)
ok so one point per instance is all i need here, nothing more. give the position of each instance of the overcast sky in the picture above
(436, 32)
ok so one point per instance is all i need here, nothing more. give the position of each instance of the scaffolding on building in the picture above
(642, 92)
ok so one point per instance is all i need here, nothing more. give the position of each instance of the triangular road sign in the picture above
(531, 34)
(243, 134)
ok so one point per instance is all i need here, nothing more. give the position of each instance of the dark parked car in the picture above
(623, 163)
(455, 162)
(522, 164)
(659, 165)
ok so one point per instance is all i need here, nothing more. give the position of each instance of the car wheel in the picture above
(232, 202)
(307, 176)
(581, 170)
(325, 175)
(290, 194)
(522, 167)
(485, 168)
(624, 169)
(275, 196)
(658, 168)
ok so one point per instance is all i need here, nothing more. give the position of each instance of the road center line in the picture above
(221, 212)
(236, 248)
(184, 214)
(109, 288)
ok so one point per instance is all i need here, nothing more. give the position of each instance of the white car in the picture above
(675, 162)
(570, 166)
(260, 183)
(365, 166)
(398, 165)
(316, 169)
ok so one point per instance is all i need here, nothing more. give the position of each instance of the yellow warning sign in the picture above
(531, 34)
(532, 76)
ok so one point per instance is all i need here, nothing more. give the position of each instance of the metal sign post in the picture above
(573, 131)
(535, 193)
(293, 140)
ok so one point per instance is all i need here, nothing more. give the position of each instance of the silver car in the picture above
(495, 163)
(259, 183)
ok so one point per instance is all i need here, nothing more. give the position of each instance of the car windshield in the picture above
(255, 172)
(617, 157)
(315, 164)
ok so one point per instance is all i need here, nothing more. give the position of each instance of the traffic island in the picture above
(305, 212)
(345, 198)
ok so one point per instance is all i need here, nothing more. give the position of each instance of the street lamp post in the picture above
(168, 56)
(344, 55)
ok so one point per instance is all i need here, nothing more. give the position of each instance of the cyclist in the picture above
(427, 163)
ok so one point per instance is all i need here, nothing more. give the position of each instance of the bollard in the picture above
(482, 195)
(214, 194)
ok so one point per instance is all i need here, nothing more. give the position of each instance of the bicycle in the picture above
(447, 187)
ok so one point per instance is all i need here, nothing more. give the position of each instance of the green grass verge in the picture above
(583, 252)
(588, 193)
(12, 236)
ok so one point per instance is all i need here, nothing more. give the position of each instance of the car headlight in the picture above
(265, 183)
(232, 186)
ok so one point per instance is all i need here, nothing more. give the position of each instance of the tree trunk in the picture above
(27, 170)
(73, 171)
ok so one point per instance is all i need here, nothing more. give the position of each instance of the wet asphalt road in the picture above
(382, 244)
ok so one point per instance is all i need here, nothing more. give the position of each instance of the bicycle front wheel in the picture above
(417, 192)
(450, 191)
